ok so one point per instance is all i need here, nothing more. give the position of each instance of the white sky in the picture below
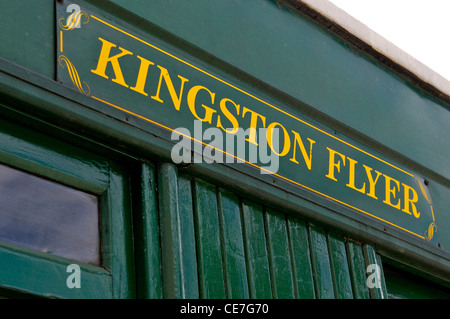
(421, 28)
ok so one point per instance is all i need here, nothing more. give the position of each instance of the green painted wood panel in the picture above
(27, 36)
(256, 251)
(372, 258)
(178, 243)
(187, 238)
(209, 251)
(357, 270)
(169, 231)
(33, 151)
(279, 255)
(301, 258)
(321, 263)
(339, 267)
(121, 254)
(146, 231)
(233, 245)
(383, 293)
(35, 273)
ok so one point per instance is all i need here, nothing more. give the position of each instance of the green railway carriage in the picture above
(216, 149)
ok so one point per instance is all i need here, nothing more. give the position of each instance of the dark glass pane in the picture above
(404, 285)
(49, 217)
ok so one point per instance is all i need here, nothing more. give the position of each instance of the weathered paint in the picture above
(339, 266)
(301, 258)
(357, 270)
(209, 231)
(233, 245)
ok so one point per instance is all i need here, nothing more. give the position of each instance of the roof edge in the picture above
(365, 39)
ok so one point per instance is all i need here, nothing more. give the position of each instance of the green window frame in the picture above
(27, 273)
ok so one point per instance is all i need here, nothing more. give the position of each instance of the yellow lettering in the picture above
(142, 76)
(372, 181)
(298, 141)
(351, 176)
(391, 191)
(175, 99)
(253, 122)
(408, 201)
(287, 140)
(104, 59)
(229, 116)
(192, 96)
(332, 164)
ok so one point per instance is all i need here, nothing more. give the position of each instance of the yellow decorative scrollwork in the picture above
(73, 20)
(432, 228)
(429, 233)
(74, 74)
(423, 190)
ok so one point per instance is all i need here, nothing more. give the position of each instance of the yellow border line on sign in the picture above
(252, 96)
(61, 41)
(243, 160)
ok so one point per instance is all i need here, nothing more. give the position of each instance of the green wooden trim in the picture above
(301, 258)
(233, 245)
(357, 270)
(256, 251)
(169, 230)
(209, 253)
(383, 294)
(177, 234)
(372, 258)
(187, 237)
(321, 263)
(146, 236)
(279, 255)
(339, 266)
(44, 275)
(118, 254)
(37, 153)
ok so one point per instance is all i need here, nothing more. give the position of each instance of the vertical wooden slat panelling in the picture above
(279, 256)
(357, 270)
(383, 279)
(122, 254)
(256, 251)
(233, 245)
(301, 258)
(148, 255)
(339, 267)
(170, 231)
(321, 263)
(216, 245)
(187, 239)
(209, 252)
(372, 258)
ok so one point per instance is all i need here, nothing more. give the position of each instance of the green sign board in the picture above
(152, 84)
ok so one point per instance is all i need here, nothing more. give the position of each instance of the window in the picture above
(62, 205)
(40, 214)
(401, 284)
